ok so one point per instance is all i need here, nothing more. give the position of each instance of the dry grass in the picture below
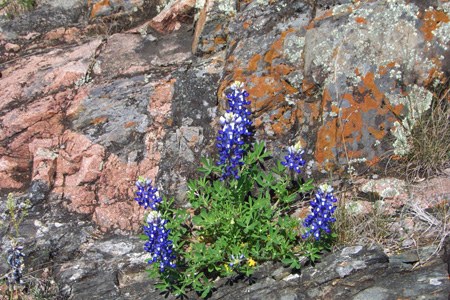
(356, 226)
(408, 227)
(430, 139)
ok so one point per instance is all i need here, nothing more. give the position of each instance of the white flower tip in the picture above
(236, 85)
(326, 188)
(298, 147)
(153, 216)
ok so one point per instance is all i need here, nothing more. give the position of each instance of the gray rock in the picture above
(116, 117)
(38, 191)
(40, 20)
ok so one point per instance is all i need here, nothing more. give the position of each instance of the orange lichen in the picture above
(258, 122)
(308, 87)
(247, 24)
(253, 63)
(289, 88)
(360, 20)
(97, 6)
(284, 33)
(129, 124)
(391, 64)
(325, 15)
(354, 154)
(326, 135)
(378, 134)
(335, 52)
(219, 41)
(373, 162)
(369, 83)
(337, 132)
(314, 109)
(431, 21)
(99, 120)
(269, 56)
(281, 70)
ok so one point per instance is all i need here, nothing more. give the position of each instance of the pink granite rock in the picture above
(44, 153)
(12, 47)
(11, 169)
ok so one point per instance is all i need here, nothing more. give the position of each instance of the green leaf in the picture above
(286, 261)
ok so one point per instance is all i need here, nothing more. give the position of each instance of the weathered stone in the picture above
(40, 20)
(101, 8)
(38, 191)
(12, 47)
(192, 110)
(12, 170)
(127, 54)
(169, 19)
(211, 30)
(115, 116)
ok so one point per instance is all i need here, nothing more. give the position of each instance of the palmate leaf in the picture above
(207, 169)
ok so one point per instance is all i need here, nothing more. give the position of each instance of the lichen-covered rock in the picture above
(335, 81)
(212, 26)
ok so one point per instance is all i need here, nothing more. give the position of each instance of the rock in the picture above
(40, 20)
(12, 171)
(12, 47)
(353, 273)
(101, 8)
(38, 191)
(190, 134)
(211, 30)
(169, 19)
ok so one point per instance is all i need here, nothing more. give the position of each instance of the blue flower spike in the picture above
(236, 260)
(234, 128)
(294, 159)
(158, 243)
(14, 260)
(322, 208)
(146, 194)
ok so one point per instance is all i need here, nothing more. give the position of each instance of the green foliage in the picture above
(232, 226)
(16, 214)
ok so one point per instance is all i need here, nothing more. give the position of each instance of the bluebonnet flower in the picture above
(236, 261)
(238, 103)
(158, 243)
(14, 260)
(146, 194)
(234, 128)
(322, 209)
(294, 159)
